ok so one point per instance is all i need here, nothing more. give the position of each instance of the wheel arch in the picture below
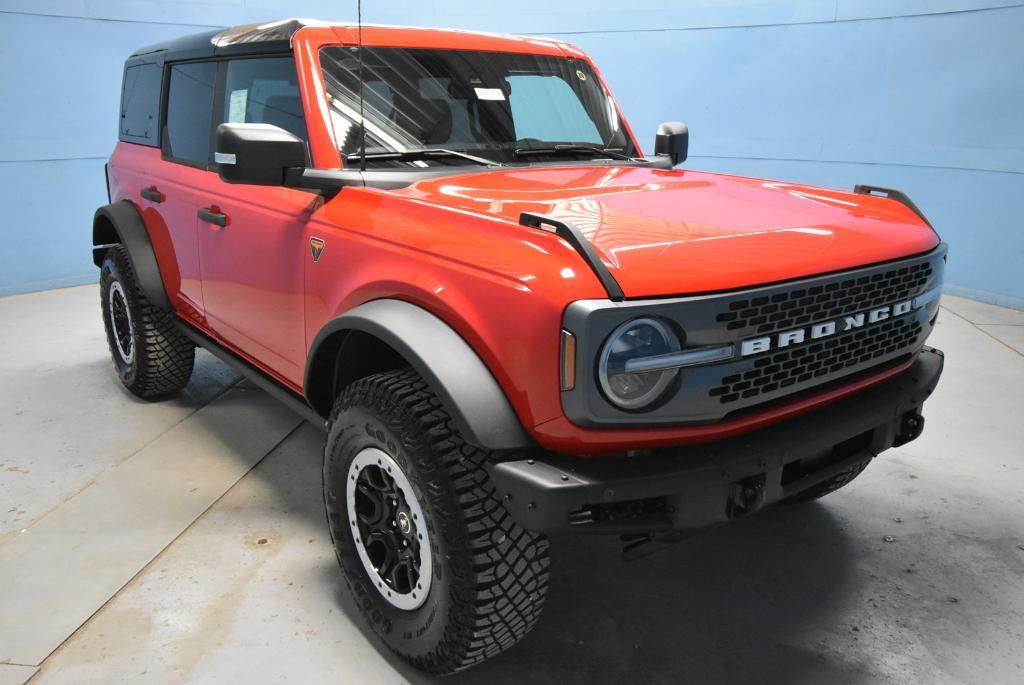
(120, 223)
(385, 334)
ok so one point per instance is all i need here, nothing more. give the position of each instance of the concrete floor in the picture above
(185, 541)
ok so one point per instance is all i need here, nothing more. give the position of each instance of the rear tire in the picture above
(151, 357)
(462, 582)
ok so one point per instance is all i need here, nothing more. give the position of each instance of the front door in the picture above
(251, 238)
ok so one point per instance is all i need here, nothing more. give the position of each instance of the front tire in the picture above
(432, 558)
(151, 357)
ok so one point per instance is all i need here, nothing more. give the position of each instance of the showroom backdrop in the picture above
(922, 95)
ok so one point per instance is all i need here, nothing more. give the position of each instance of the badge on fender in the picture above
(316, 247)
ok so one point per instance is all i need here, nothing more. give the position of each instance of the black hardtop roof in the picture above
(249, 39)
(271, 36)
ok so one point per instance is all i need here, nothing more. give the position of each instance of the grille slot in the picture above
(776, 370)
(803, 306)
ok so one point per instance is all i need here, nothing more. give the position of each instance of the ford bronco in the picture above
(448, 251)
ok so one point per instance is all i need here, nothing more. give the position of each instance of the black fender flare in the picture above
(131, 232)
(467, 389)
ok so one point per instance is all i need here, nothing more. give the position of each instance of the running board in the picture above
(264, 382)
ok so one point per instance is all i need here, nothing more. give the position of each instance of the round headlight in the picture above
(644, 337)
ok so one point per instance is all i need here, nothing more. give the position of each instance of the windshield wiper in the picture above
(562, 148)
(424, 153)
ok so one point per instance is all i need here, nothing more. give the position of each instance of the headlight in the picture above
(644, 337)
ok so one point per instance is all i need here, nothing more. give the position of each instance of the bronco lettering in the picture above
(797, 336)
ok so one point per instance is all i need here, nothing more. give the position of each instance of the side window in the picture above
(264, 90)
(189, 111)
(140, 103)
(532, 98)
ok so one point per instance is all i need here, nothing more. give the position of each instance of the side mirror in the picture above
(672, 141)
(259, 154)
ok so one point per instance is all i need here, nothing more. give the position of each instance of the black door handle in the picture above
(152, 194)
(213, 215)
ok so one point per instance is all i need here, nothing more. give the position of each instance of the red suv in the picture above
(448, 250)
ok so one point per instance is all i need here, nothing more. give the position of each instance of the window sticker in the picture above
(489, 94)
(580, 75)
(236, 106)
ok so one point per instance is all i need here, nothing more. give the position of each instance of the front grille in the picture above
(712, 392)
(774, 371)
(802, 306)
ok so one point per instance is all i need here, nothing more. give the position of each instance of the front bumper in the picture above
(680, 491)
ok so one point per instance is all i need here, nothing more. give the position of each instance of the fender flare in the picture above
(131, 231)
(469, 392)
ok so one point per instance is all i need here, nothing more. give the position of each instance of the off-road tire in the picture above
(829, 486)
(490, 576)
(162, 358)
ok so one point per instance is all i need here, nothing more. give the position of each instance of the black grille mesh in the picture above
(778, 370)
(803, 306)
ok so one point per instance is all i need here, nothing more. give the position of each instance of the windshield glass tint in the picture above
(487, 104)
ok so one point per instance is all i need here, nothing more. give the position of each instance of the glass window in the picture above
(189, 112)
(264, 91)
(546, 108)
(505, 107)
(140, 103)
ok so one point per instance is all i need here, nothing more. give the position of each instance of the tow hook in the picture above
(746, 496)
(909, 429)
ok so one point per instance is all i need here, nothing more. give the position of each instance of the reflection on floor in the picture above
(193, 567)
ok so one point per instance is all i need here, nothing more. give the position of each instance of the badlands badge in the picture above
(316, 248)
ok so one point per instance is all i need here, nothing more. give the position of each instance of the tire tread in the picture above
(164, 357)
(499, 571)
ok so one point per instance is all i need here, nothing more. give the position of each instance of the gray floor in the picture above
(184, 541)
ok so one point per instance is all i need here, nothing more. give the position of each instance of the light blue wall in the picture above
(926, 96)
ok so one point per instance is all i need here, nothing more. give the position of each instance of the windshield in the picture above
(496, 106)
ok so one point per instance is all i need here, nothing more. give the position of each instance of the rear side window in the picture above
(264, 91)
(189, 112)
(140, 103)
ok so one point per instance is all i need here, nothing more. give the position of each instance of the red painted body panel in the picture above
(682, 231)
(171, 224)
(502, 287)
(253, 271)
(453, 246)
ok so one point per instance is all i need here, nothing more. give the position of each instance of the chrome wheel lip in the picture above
(372, 456)
(117, 292)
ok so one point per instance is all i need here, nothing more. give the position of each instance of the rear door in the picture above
(251, 242)
(167, 190)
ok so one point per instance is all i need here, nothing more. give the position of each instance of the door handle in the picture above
(213, 215)
(152, 194)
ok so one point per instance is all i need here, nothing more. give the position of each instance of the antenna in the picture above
(362, 120)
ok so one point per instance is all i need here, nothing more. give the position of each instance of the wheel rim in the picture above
(121, 322)
(388, 529)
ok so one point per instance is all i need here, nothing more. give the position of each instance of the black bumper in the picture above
(681, 491)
